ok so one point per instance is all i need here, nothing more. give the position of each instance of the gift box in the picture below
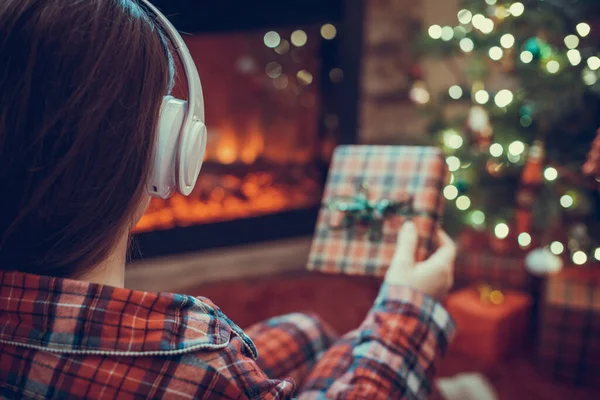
(568, 345)
(369, 193)
(490, 324)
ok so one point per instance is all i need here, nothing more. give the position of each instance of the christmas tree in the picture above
(518, 122)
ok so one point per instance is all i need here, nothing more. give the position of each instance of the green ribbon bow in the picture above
(359, 211)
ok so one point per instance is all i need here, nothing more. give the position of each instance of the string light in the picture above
(491, 2)
(516, 148)
(501, 12)
(299, 38)
(583, 29)
(478, 21)
(419, 94)
(453, 163)
(566, 201)
(487, 26)
(526, 57)
(507, 41)
(482, 97)
(272, 39)
(455, 92)
(513, 158)
(465, 16)
(467, 45)
(435, 32)
(328, 31)
(550, 174)
(463, 203)
(557, 247)
(553, 66)
(304, 77)
(447, 33)
(496, 150)
(501, 230)
(574, 57)
(503, 98)
(273, 70)
(477, 217)
(496, 53)
(450, 192)
(460, 32)
(579, 257)
(281, 82)
(524, 239)
(526, 121)
(452, 139)
(283, 47)
(597, 254)
(571, 41)
(517, 9)
(593, 63)
(589, 77)
(336, 75)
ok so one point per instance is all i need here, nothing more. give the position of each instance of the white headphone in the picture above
(181, 136)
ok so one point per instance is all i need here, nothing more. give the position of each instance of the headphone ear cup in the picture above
(162, 181)
(192, 146)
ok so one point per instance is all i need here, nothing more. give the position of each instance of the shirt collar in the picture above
(69, 316)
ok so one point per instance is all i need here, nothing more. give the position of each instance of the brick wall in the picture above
(390, 29)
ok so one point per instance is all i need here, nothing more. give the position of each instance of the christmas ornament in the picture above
(495, 168)
(479, 127)
(541, 262)
(529, 187)
(534, 46)
(462, 185)
(538, 48)
(416, 72)
(527, 110)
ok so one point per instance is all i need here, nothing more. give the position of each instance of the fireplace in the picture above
(280, 81)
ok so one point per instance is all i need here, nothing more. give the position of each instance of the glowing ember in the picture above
(227, 197)
(239, 181)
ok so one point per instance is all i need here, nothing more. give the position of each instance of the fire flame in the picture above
(231, 186)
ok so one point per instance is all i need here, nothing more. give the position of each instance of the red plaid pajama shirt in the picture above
(63, 338)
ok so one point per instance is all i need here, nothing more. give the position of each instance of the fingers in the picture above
(406, 245)
(445, 254)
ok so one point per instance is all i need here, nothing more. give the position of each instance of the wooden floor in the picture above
(251, 284)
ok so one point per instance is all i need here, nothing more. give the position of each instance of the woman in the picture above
(81, 87)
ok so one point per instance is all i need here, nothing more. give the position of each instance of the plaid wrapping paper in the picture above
(569, 327)
(412, 176)
(477, 266)
(62, 338)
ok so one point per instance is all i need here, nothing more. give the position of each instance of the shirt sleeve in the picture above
(232, 373)
(390, 356)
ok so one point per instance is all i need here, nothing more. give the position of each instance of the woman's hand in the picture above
(434, 276)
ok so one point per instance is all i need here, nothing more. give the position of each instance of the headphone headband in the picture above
(186, 137)
(195, 98)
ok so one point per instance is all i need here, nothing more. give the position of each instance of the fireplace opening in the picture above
(276, 99)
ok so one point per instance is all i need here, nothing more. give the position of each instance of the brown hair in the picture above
(81, 84)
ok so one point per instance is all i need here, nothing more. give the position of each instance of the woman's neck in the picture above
(110, 272)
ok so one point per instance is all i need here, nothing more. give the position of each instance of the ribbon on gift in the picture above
(359, 210)
(489, 295)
